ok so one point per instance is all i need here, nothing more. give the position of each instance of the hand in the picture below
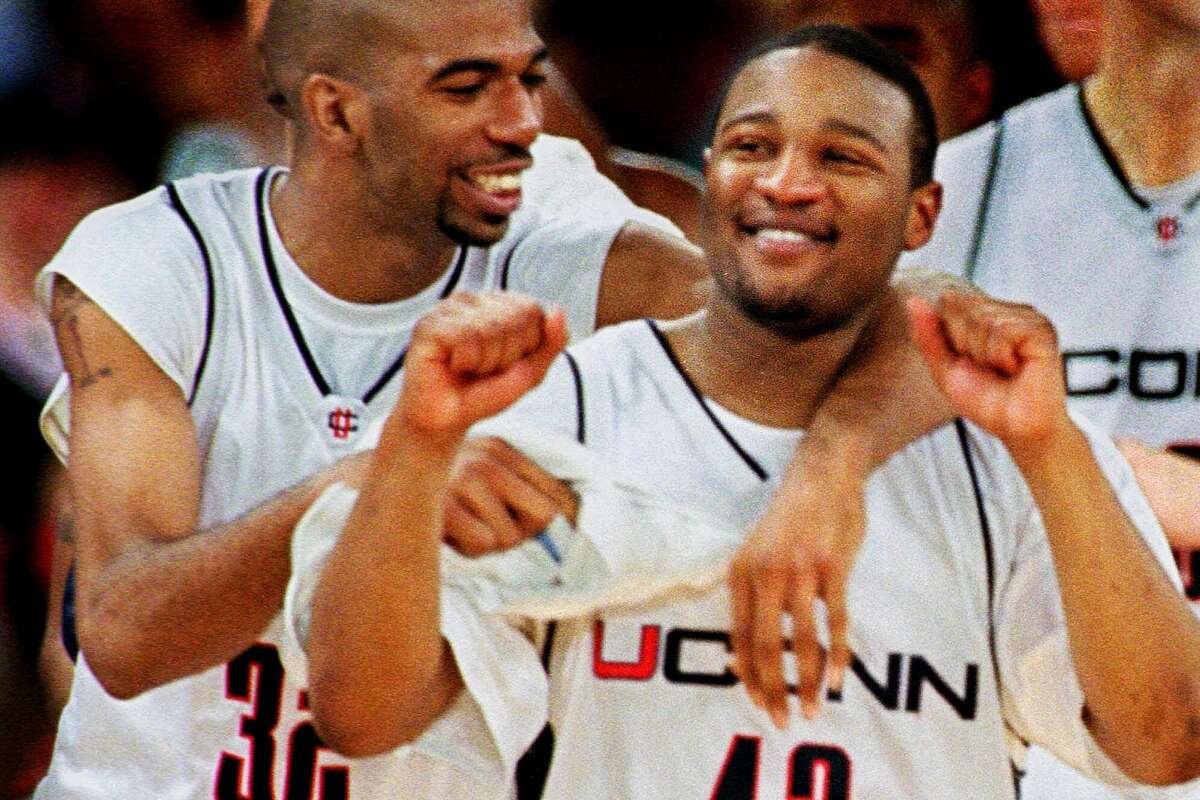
(802, 549)
(472, 356)
(997, 363)
(498, 498)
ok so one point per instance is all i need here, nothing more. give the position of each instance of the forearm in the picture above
(884, 399)
(162, 609)
(1172, 485)
(380, 671)
(1134, 642)
(55, 667)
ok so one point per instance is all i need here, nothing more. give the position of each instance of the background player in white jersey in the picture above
(228, 338)
(1086, 202)
(817, 179)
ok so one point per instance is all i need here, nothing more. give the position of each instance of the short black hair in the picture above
(859, 47)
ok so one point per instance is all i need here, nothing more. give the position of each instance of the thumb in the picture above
(925, 327)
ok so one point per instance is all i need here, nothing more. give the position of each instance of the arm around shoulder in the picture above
(650, 273)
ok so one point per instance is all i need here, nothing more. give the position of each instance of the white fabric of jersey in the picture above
(1037, 211)
(568, 573)
(641, 697)
(263, 426)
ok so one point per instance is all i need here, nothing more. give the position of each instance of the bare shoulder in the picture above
(650, 273)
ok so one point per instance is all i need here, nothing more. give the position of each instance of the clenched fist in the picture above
(998, 364)
(472, 356)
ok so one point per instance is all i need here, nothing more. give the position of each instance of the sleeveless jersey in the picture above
(281, 378)
(1038, 210)
(957, 629)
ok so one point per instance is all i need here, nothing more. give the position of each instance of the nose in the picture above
(517, 119)
(791, 179)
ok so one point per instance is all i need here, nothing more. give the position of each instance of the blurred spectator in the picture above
(24, 43)
(111, 96)
(650, 71)
(939, 38)
(665, 185)
(54, 176)
(189, 67)
(1070, 32)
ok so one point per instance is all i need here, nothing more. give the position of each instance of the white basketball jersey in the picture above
(1037, 210)
(281, 378)
(957, 629)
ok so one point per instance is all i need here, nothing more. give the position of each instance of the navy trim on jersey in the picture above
(533, 767)
(260, 189)
(580, 415)
(750, 461)
(985, 203)
(504, 269)
(1110, 157)
(209, 322)
(985, 529)
(391, 371)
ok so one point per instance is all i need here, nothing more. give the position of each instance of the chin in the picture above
(794, 320)
(475, 233)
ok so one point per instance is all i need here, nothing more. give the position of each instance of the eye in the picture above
(748, 147)
(533, 80)
(467, 90)
(844, 158)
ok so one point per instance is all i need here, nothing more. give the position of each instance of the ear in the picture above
(923, 210)
(338, 112)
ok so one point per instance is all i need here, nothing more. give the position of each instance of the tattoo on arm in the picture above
(65, 319)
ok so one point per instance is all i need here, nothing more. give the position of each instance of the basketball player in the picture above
(192, 332)
(228, 338)
(1087, 202)
(818, 176)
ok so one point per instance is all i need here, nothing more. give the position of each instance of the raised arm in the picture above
(1134, 641)
(379, 669)
(156, 599)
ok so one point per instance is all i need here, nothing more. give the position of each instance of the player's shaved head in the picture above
(339, 38)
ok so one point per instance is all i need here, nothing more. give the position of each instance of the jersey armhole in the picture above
(210, 293)
(580, 414)
(989, 560)
(985, 202)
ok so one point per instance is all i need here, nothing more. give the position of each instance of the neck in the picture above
(1146, 96)
(760, 374)
(348, 254)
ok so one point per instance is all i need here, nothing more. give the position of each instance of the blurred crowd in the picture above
(106, 98)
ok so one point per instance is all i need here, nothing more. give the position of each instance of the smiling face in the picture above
(809, 189)
(454, 109)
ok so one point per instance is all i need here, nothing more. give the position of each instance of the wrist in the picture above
(403, 435)
(1047, 447)
(833, 452)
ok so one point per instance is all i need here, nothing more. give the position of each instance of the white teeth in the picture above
(510, 182)
(777, 235)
